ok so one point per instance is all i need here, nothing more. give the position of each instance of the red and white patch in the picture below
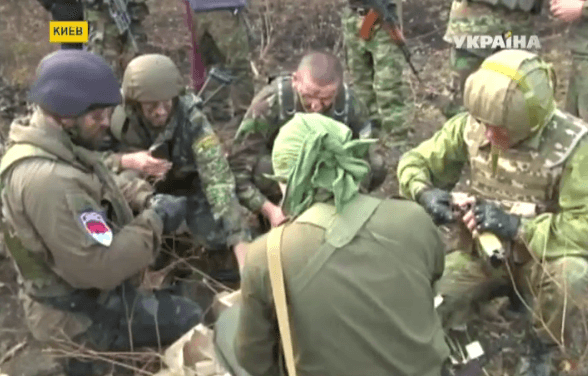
(97, 228)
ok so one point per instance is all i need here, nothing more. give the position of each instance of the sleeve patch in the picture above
(96, 227)
(90, 219)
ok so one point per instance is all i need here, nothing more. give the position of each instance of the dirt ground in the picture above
(284, 30)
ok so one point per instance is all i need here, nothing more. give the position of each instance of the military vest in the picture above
(342, 110)
(39, 279)
(523, 175)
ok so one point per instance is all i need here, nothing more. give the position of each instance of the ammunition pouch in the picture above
(38, 277)
(527, 6)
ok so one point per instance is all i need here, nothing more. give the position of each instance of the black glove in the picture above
(46, 4)
(437, 203)
(490, 217)
(67, 12)
(171, 209)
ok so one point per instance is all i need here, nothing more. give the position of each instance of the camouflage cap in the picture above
(513, 89)
(150, 78)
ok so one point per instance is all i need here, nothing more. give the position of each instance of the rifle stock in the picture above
(379, 12)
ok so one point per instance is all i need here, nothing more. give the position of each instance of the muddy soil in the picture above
(282, 31)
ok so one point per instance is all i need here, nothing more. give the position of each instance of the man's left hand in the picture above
(567, 10)
(489, 217)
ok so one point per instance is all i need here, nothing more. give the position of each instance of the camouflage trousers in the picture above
(376, 70)
(105, 39)
(556, 291)
(223, 42)
(577, 96)
(464, 62)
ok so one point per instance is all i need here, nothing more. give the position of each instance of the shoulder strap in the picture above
(276, 272)
(286, 98)
(341, 109)
(18, 152)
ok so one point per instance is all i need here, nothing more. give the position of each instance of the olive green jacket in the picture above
(360, 292)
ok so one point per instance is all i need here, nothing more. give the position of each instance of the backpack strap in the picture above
(341, 107)
(286, 98)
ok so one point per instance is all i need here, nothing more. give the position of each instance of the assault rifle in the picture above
(379, 12)
(122, 19)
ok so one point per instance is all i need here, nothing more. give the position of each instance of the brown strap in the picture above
(274, 241)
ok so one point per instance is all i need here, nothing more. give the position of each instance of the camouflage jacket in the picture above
(196, 153)
(476, 18)
(547, 171)
(578, 33)
(271, 108)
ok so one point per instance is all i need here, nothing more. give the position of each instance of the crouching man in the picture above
(358, 278)
(71, 234)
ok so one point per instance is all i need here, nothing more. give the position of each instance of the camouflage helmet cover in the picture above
(513, 89)
(150, 78)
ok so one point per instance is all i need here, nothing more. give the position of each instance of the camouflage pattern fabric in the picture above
(254, 141)
(200, 168)
(577, 95)
(224, 42)
(376, 69)
(104, 38)
(471, 18)
(547, 171)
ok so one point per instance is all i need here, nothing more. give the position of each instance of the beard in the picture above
(102, 140)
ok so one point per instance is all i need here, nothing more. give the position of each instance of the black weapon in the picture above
(120, 16)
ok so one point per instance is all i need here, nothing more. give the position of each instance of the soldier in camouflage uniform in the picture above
(484, 17)
(183, 146)
(522, 151)
(376, 69)
(224, 42)
(576, 11)
(104, 37)
(316, 86)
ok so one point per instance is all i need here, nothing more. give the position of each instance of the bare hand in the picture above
(273, 213)
(144, 162)
(567, 10)
(469, 220)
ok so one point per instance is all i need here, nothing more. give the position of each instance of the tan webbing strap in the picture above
(276, 272)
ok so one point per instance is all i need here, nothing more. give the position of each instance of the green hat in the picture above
(313, 155)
